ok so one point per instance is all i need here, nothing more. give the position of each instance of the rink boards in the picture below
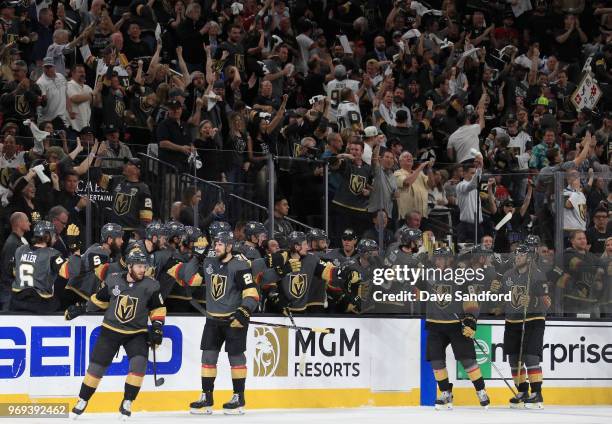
(367, 361)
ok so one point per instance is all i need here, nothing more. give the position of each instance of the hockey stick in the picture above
(158, 381)
(520, 357)
(492, 363)
(302, 366)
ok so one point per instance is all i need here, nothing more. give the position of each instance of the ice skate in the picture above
(202, 406)
(235, 406)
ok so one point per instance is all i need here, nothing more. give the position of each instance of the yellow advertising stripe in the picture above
(257, 399)
(321, 398)
(552, 395)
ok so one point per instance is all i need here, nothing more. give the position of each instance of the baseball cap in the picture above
(48, 61)
(86, 130)
(349, 234)
(174, 104)
(110, 128)
(371, 131)
(176, 92)
(541, 101)
(134, 161)
(340, 71)
(219, 84)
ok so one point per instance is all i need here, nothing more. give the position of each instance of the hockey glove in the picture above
(240, 318)
(278, 302)
(199, 247)
(156, 333)
(277, 262)
(73, 237)
(354, 306)
(469, 326)
(74, 311)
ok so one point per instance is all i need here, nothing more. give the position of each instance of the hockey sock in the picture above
(239, 373)
(535, 378)
(209, 373)
(473, 371)
(89, 386)
(520, 381)
(441, 376)
(133, 382)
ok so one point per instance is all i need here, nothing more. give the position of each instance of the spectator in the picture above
(60, 218)
(80, 99)
(599, 232)
(380, 221)
(113, 148)
(407, 135)
(468, 199)
(413, 185)
(53, 90)
(282, 226)
(464, 141)
(173, 138)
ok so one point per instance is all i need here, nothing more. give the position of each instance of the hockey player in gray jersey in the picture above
(231, 298)
(346, 252)
(296, 270)
(256, 235)
(86, 271)
(450, 322)
(36, 268)
(318, 242)
(130, 299)
(525, 322)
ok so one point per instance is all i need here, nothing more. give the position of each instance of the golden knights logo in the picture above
(297, 285)
(357, 184)
(217, 286)
(125, 309)
(271, 352)
(22, 106)
(517, 292)
(123, 201)
(442, 290)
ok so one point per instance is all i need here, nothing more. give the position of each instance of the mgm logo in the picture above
(271, 352)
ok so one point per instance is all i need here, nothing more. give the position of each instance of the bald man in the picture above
(20, 225)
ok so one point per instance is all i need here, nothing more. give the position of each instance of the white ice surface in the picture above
(408, 415)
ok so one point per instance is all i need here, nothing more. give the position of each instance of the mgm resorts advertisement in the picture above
(47, 356)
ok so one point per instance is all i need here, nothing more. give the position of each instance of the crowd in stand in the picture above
(443, 116)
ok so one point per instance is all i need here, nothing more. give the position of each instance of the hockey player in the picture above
(231, 297)
(130, 300)
(85, 272)
(347, 251)
(525, 321)
(454, 323)
(296, 269)
(36, 268)
(256, 235)
(317, 242)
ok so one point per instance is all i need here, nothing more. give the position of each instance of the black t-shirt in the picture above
(570, 50)
(133, 50)
(597, 240)
(169, 129)
(212, 159)
(236, 55)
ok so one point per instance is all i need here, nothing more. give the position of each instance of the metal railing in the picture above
(163, 181)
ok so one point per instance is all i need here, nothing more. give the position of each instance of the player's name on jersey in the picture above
(28, 257)
(426, 296)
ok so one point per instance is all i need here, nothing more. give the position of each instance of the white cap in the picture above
(371, 131)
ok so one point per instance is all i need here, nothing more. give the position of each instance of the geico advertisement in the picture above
(46, 355)
(574, 354)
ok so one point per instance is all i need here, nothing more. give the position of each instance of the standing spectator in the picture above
(599, 232)
(465, 138)
(407, 135)
(413, 185)
(305, 43)
(282, 226)
(384, 185)
(113, 148)
(20, 225)
(379, 227)
(80, 97)
(468, 199)
(351, 200)
(69, 198)
(19, 97)
(53, 89)
(574, 214)
(134, 46)
(235, 51)
(173, 138)
(539, 153)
